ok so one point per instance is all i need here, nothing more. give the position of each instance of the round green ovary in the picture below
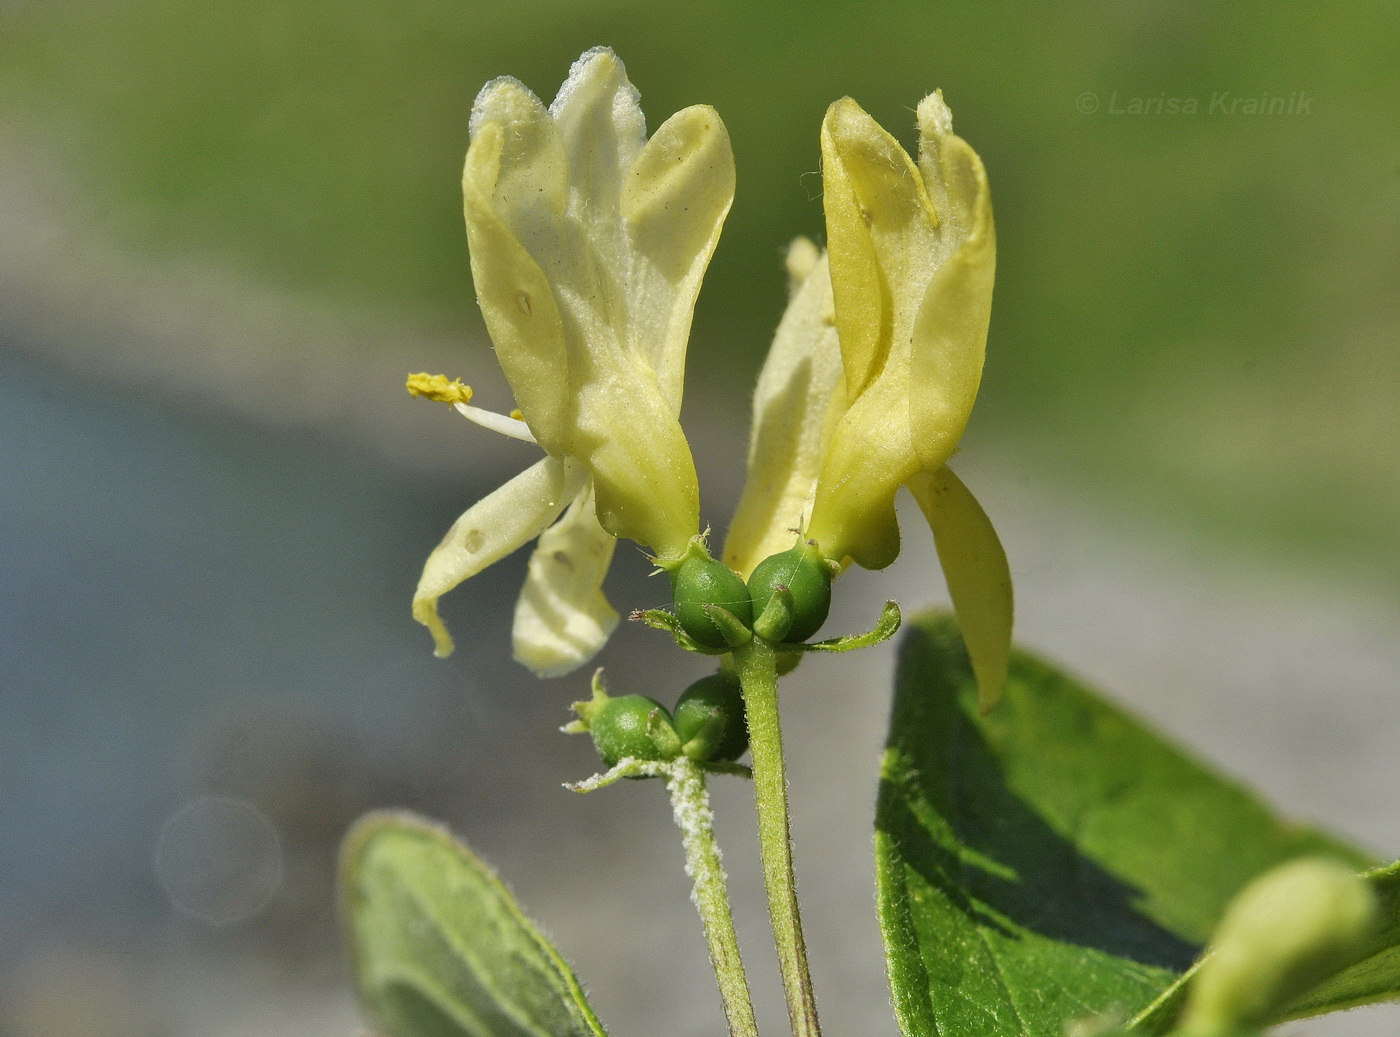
(702, 581)
(622, 727)
(710, 719)
(807, 577)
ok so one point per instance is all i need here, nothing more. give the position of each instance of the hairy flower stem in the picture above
(755, 664)
(690, 802)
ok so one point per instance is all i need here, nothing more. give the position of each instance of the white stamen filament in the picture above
(506, 426)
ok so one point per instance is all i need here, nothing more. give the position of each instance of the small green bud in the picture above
(710, 719)
(791, 593)
(626, 726)
(1287, 931)
(701, 581)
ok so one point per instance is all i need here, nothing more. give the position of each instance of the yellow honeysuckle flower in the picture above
(588, 243)
(874, 370)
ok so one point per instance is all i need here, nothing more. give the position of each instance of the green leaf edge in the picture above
(375, 823)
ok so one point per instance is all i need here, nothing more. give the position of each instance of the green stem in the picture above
(757, 670)
(690, 802)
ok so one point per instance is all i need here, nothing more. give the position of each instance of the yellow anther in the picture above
(439, 387)
(518, 414)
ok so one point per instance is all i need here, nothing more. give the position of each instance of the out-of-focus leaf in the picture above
(440, 947)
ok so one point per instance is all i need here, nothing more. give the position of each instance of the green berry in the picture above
(631, 725)
(702, 581)
(710, 719)
(799, 613)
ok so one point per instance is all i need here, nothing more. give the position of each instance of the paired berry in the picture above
(710, 719)
(703, 587)
(626, 726)
(631, 725)
(709, 724)
(791, 594)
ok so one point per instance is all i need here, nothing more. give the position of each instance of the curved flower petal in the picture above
(800, 396)
(880, 228)
(598, 113)
(674, 202)
(950, 333)
(489, 530)
(870, 456)
(562, 618)
(881, 232)
(516, 154)
(979, 579)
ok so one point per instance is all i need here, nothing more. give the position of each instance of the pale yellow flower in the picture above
(875, 367)
(588, 243)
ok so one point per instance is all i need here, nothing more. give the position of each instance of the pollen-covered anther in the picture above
(439, 388)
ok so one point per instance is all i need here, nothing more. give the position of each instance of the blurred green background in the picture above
(227, 230)
(1195, 312)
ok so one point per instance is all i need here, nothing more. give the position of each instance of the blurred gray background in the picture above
(227, 232)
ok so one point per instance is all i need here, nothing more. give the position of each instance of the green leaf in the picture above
(440, 947)
(1054, 860)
